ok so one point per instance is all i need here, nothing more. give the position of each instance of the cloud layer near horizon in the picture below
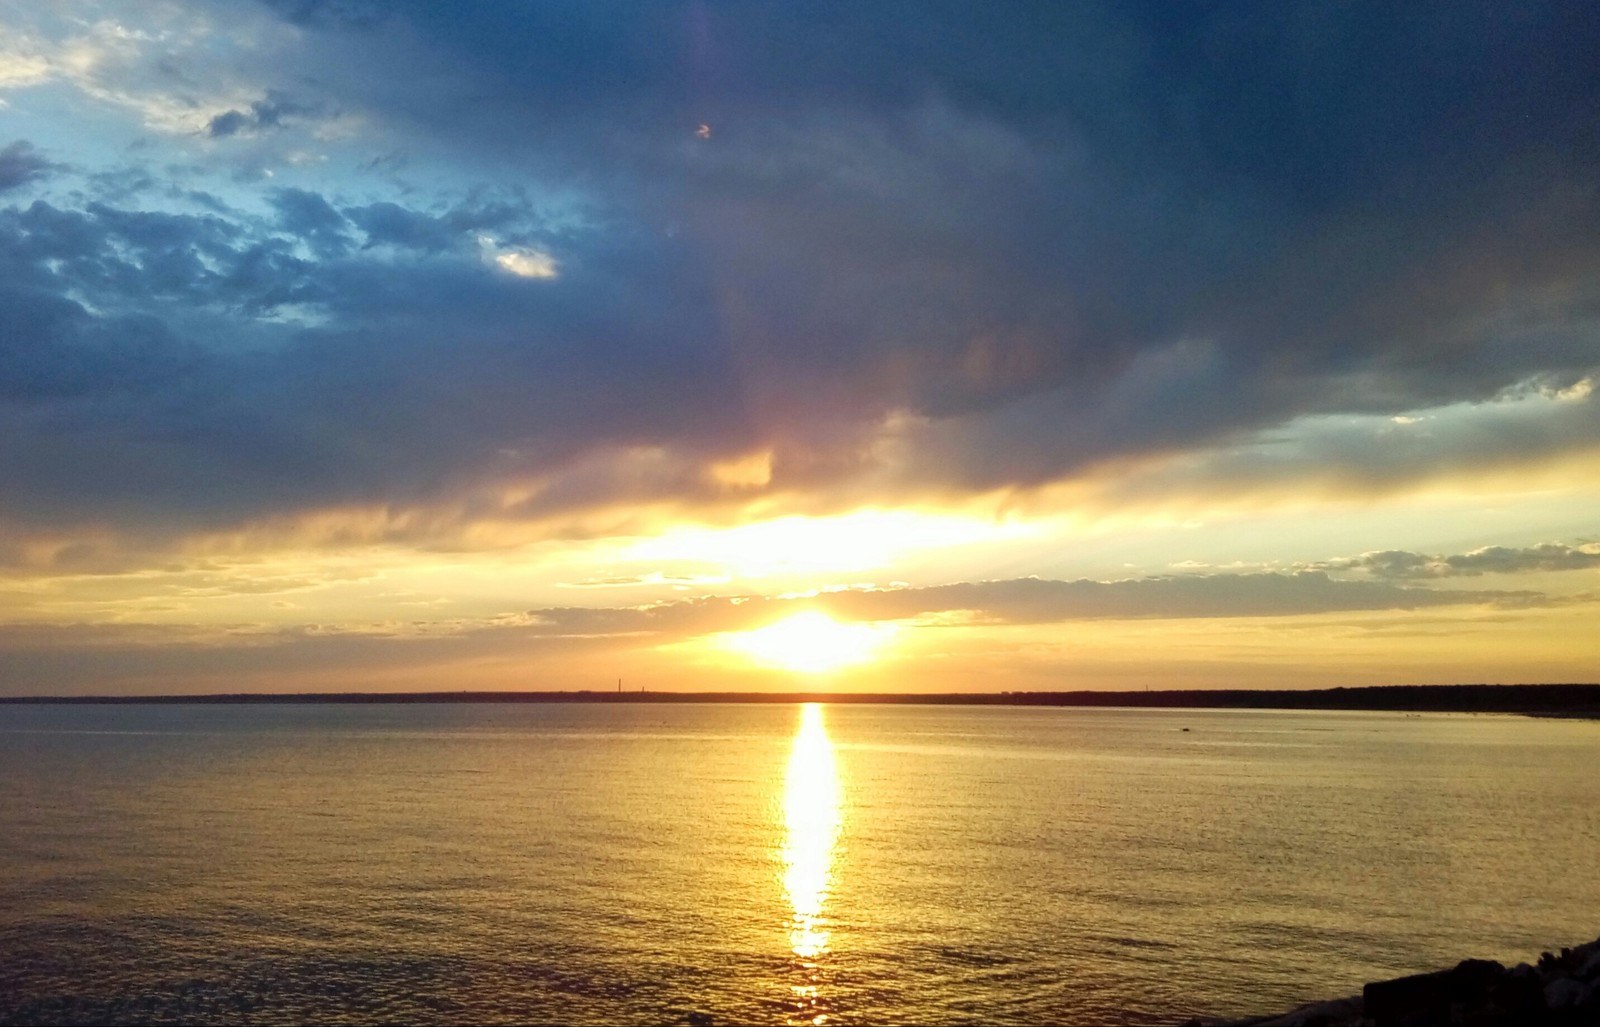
(1399, 564)
(938, 255)
(42, 656)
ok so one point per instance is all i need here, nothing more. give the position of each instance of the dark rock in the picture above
(1429, 998)
(1565, 993)
(1549, 963)
(1562, 991)
(1516, 996)
(701, 1020)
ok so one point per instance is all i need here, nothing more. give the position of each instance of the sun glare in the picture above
(811, 643)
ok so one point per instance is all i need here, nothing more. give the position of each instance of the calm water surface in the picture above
(770, 864)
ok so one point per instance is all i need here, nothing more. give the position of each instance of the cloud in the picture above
(193, 392)
(393, 225)
(42, 658)
(1039, 601)
(20, 164)
(1403, 564)
(969, 251)
(1034, 229)
(313, 219)
(1031, 601)
(274, 111)
(654, 578)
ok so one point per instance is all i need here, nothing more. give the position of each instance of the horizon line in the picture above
(1464, 697)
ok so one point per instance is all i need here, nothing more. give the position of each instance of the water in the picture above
(770, 864)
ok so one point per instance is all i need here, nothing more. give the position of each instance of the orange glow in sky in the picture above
(811, 643)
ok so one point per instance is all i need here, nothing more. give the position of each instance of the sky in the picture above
(394, 345)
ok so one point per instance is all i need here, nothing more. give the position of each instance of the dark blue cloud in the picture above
(389, 224)
(1057, 233)
(415, 379)
(313, 219)
(274, 111)
(1312, 105)
(20, 164)
(966, 205)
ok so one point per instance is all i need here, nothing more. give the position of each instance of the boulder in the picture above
(1561, 991)
(1565, 993)
(1428, 998)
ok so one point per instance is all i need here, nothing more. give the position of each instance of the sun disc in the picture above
(810, 643)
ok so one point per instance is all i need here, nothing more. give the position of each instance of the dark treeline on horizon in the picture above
(1553, 699)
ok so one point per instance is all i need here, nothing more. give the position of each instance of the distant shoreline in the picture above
(1562, 700)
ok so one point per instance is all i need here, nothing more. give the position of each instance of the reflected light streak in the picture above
(811, 816)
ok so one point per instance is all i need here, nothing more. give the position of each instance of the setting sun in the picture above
(811, 643)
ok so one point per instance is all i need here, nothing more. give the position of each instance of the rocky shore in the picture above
(1559, 991)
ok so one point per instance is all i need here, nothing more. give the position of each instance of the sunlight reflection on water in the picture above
(811, 819)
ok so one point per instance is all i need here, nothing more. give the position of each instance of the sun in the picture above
(811, 643)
